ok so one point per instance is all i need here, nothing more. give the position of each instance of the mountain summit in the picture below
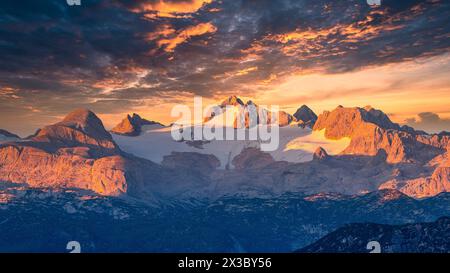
(78, 152)
(86, 121)
(132, 125)
(347, 122)
(371, 131)
(305, 116)
(81, 127)
(232, 101)
(242, 113)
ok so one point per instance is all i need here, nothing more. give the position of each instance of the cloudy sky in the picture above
(116, 57)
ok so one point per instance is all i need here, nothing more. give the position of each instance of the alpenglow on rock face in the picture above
(81, 127)
(373, 134)
(79, 153)
(424, 186)
(76, 152)
(242, 117)
(132, 125)
(371, 131)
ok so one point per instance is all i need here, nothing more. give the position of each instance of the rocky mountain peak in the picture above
(132, 125)
(368, 108)
(86, 121)
(232, 101)
(81, 127)
(136, 119)
(378, 117)
(306, 116)
(280, 117)
(344, 122)
(371, 131)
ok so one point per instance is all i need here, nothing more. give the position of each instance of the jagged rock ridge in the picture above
(305, 117)
(373, 134)
(371, 131)
(132, 125)
(79, 153)
(243, 118)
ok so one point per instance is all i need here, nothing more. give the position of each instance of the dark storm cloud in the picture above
(349, 35)
(429, 122)
(112, 53)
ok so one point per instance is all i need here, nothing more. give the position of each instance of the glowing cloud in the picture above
(313, 40)
(246, 71)
(163, 8)
(184, 35)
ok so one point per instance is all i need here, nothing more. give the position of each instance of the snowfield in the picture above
(296, 145)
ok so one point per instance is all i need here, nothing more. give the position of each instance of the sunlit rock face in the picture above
(350, 150)
(372, 134)
(245, 115)
(371, 131)
(348, 122)
(79, 153)
(132, 125)
(74, 153)
(79, 128)
(438, 181)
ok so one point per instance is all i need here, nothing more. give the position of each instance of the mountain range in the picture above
(132, 125)
(78, 152)
(242, 114)
(348, 165)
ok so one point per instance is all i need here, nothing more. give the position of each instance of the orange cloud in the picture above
(313, 40)
(171, 43)
(164, 31)
(8, 92)
(164, 8)
(269, 80)
(424, 82)
(246, 71)
(304, 35)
